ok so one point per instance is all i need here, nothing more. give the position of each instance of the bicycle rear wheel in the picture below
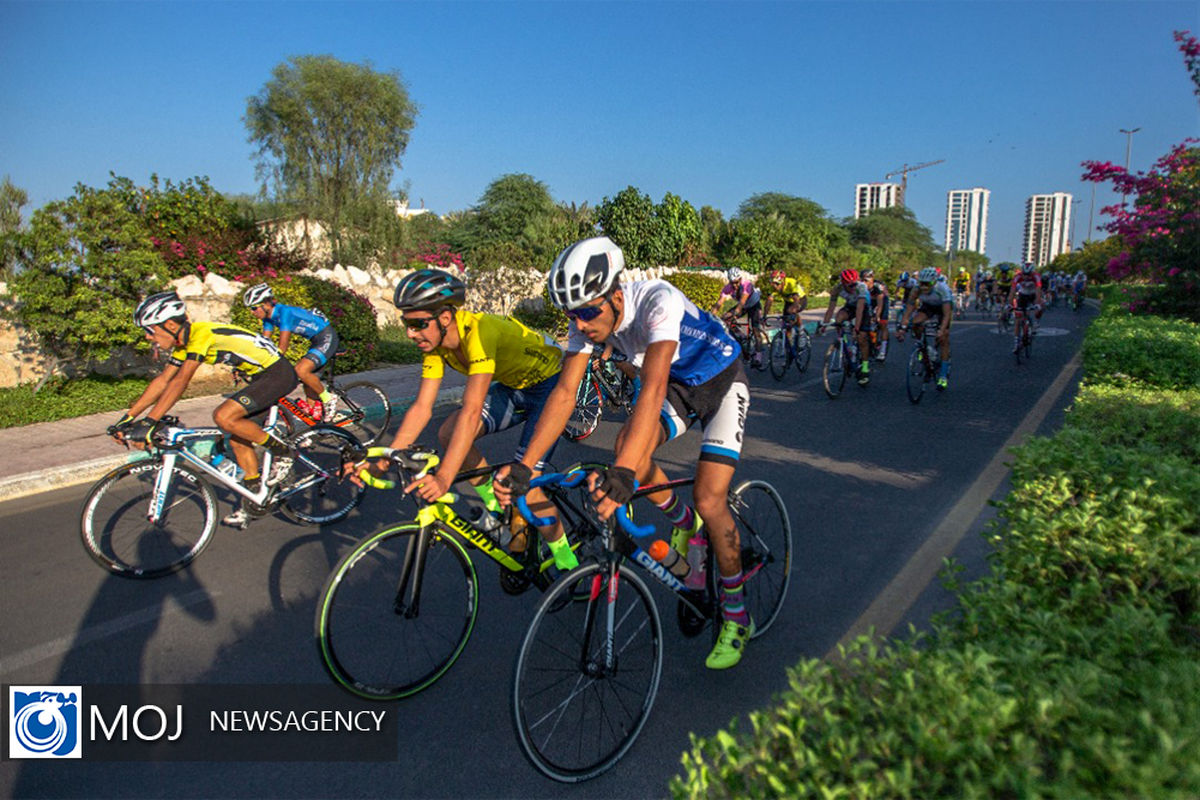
(317, 493)
(835, 370)
(801, 349)
(364, 410)
(381, 644)
(915, 377)
(777, 356)
(575, 716)
(766, 539)
(119, 537)
(589, 406)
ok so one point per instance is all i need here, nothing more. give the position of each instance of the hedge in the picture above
(1072, 670)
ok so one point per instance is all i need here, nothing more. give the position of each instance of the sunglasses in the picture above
(418, 324)
(585, 313)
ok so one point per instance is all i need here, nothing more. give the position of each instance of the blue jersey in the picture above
(296, 320)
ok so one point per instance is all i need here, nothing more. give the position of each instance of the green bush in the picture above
(1154, 350)
(549, 320)
(62, 399)
(351, 314)
(395, 347)
(700, 289)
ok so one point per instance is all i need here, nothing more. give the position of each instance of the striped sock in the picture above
(677, 512)
(733, 599)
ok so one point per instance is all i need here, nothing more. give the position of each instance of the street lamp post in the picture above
(1128, 148)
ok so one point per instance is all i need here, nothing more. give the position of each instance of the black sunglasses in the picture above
(418, 324)
(585, 313)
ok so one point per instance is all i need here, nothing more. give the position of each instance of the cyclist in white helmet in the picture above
(748, 300)
(691, 372)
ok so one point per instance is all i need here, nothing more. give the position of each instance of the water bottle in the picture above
(696, 558)
(226, 466)
(487, 524)
(666, 555)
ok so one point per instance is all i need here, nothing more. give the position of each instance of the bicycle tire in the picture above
(801, 351)
(565, 706)
(364, 410)
(765, 532)
(125, 542)
(914, 380)
(316, 493)
(589, 407)
(778, 356)
(834, 371)
(372, 648)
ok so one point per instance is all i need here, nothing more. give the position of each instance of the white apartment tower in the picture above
(967, 219)
(1047, 228)
(870, 196)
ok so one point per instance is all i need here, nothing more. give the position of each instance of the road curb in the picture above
(61, 477)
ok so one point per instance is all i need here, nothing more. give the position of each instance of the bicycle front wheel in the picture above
(577, 711)
(778, 355)
(835, 370)
(589, 405)
(118, 534)
(915, 377)
(766, 540)
(801, 350)
(375, 637)
(364, 410)
(317, 493)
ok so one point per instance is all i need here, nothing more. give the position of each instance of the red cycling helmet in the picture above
(850, 276)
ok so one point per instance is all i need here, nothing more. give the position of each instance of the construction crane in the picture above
(903, 173)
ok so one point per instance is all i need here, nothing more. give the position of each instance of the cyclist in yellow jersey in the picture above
(510, 371)
(789, 290)
(163, 317)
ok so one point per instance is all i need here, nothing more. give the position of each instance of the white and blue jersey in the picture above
(297, 320)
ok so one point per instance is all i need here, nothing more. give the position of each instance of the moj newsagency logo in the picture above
(43, 721)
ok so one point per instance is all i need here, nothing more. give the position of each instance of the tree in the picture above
(667, 234)
(779, 231)
(12, 199)
(330, 136)
(907, 243)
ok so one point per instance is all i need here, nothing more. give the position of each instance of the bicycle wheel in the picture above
(364, 410)
(316, 493)
(766, 536)
(589, 406)
(575, 716)
(120, 538)
(801, 349)
(381, 645)
(835, 370)
(778, 354)
(915, 377)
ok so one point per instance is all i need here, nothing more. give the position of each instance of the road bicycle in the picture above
(398, 608)
(1004, 320)
(790, 344)
(1022, 335)
(841, 357)
(154, 516)
(923, 360)
(739, 328)
(360, 407)
(587, 672)
(961, 300)
(603, 386)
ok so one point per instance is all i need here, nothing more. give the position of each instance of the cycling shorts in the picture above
(930, 311)
(1025, 300)
(322, 346)
(267, 387)
(868, 324)
(718, 405)
(505, 407)
(754, 314)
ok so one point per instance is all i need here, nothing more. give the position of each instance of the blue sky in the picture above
(712, 101)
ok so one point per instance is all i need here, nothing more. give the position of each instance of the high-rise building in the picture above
(967, 219)
(870, 196)
(1047, 227)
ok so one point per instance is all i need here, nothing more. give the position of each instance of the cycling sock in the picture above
(274, 444)
(488, 496)
(325, 396)
(945, 369)
(677, 512)
(733, 599)
(564, 557)
(252, 482)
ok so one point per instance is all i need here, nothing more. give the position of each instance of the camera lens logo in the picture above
(44, 721)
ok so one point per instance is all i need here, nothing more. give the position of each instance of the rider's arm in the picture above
(559, 406)
(643, 428)
(284, 338)
(833, 298)
(153, 391)
(173, 390)
(467, 423)
(860, 307)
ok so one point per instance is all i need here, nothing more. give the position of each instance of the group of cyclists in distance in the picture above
(689, 367)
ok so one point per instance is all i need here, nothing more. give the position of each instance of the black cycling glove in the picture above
(618, 484)
(122, 425)
(517, 480)
(143, 430)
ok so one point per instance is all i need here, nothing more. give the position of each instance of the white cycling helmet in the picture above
(158, 308)
(584, 271)
(257, 294)
(927, 275)
(733, 274)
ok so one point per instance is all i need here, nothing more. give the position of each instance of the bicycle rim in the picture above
(835, 370)
(364, 410)
(369, 641)
(574, 717)
(317, 493)
(589, 406)
(778, 356)
(802, 352)
(119, 537)
(915, 378)
(766, 539)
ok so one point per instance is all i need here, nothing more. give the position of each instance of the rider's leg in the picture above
(306, 371)
(231, 417)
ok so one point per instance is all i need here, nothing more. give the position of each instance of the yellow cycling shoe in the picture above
(727, 652)
(680, 536)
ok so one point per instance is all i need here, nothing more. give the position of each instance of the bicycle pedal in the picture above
(513, 583)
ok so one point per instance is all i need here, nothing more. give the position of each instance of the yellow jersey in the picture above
(791, 287)
(222, 343)
(517, 356)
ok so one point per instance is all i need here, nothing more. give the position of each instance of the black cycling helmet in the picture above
(429, 290)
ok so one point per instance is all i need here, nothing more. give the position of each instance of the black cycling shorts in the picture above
(267, 387)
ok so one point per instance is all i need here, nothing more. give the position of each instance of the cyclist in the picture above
(312, 325)
(879, 310)
(748, 300)
(857, 300)
(792, 296)
(932, 299)
(1079, 287)
(986, 289)
(691, 372)
(962, 290)
(163, 317)
(511, 371)
(1004, 287)
(905, 285)
(1026, 294)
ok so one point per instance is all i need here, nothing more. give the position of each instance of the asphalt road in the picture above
(867, 477)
